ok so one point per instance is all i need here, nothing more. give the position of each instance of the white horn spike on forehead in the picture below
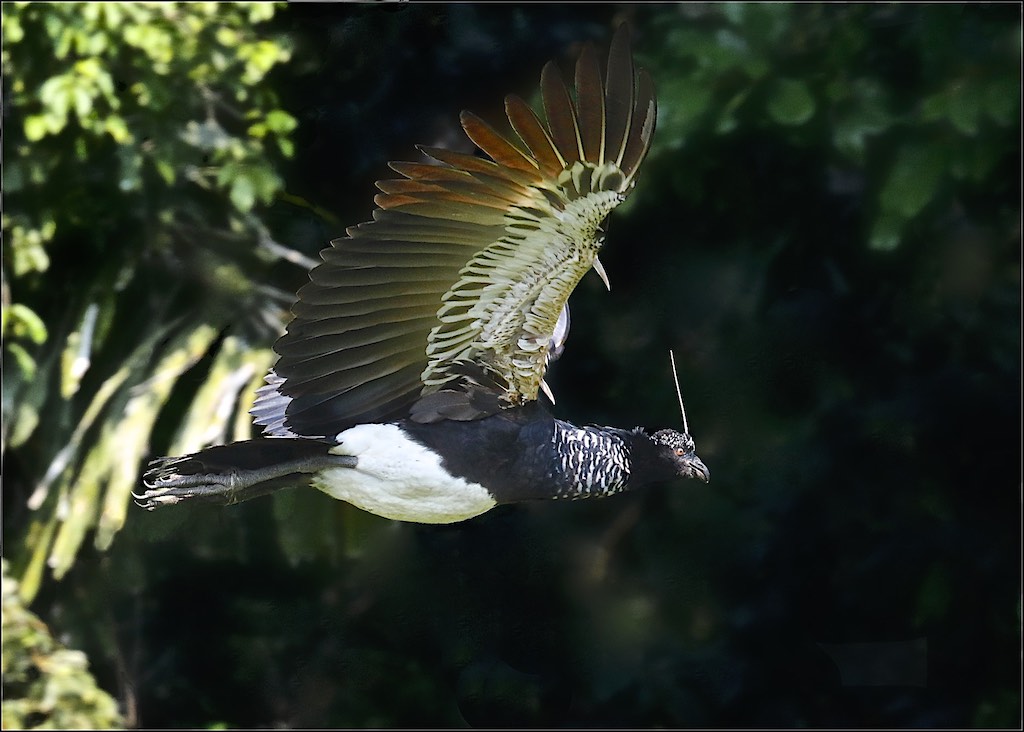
(675, 378)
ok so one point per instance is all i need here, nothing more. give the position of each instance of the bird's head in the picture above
(677, 449)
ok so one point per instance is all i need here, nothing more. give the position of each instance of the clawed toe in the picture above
(166, 488)
(156, 497)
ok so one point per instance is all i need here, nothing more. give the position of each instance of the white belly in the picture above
(399, 479)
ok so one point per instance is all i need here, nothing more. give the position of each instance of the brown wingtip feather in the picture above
(531, 131)
(619, 93)
(561, 114)
(494, 144)
(590, 111)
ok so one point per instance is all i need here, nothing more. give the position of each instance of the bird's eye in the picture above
(680, 452)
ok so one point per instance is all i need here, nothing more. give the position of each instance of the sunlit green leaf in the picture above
(83, 101)
(64, 43)
(118, 130)
(38, 538)
(259, 12)
(132, 436)
(13, 32)
(36, 127)
(227, 36)
(21, 322)
(165, 169)
(243, 192)
(54, 93)
(280, 121)
(76, 358)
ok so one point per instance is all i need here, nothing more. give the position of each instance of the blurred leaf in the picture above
(26, 364)
(790, 102)
(13, 32)
(76, 357)
(27, 248)
(913, 179)
(861, 117)
(886, 232)
(727, 121)
(227, 37)
(280, 122)
(24, 394)
(36, 127)
(40, 538)
(118, 129)
(243, 192)
(959, 103)
(688, 99)
(210, 416)
(21, 322)
(83, 504)
(1002, 100)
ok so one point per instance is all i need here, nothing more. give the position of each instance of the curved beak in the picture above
(695, 468)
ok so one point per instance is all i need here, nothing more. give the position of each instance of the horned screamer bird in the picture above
(408, 379)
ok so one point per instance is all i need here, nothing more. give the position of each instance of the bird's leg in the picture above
(167, 486)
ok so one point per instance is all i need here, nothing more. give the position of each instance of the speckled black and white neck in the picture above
(592, 461)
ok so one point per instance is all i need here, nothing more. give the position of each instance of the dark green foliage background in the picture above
(827, 232)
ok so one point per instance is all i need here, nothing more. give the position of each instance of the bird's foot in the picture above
(166, 487)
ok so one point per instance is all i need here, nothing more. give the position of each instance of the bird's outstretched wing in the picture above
(468, 263)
